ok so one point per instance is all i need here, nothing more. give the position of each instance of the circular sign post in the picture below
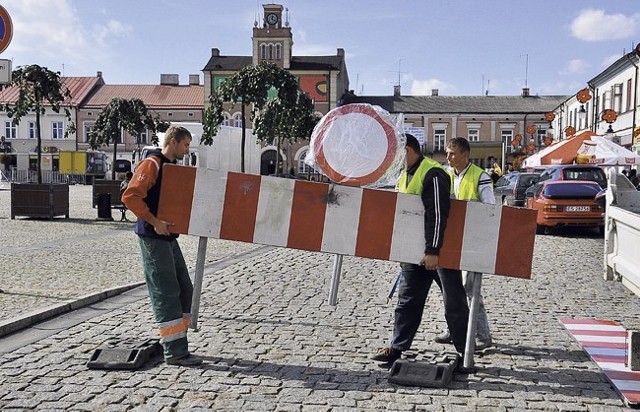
(354, 145)
(6, 29)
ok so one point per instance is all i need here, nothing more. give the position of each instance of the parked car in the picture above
(575, 172)
(510, 188)
(562, 203)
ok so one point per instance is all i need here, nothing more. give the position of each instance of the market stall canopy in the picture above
(598, 150)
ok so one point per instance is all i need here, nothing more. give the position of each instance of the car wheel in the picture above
(541, 230)
(601, 230)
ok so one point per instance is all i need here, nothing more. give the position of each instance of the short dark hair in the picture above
(461, 143)
(413, 143)
(176, 132)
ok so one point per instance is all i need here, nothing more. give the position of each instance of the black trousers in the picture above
(412, 295)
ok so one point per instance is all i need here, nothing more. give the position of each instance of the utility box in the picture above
(633, 350)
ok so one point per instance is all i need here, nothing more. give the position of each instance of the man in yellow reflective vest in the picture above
(471, 183)
(428, 179)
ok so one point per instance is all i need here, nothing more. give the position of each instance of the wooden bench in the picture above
(111, 187)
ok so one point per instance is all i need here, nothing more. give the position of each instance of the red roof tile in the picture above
(80, 87)
(154, 96)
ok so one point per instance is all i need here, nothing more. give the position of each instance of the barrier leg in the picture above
(335, 280)
(476, 279)
(197, 282)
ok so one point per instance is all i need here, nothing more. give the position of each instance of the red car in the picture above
(562, 203)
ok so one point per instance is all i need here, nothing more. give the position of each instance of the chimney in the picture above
(525, 92)
(169, 79)
(341, 52)
(434, 92)
(194, 79)
(215, 52)
(99, 74)
(396, 90)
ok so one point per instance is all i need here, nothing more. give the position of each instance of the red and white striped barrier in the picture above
(605, 343)
(344, 220)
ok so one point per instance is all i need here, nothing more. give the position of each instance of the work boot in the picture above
(189, 360)
(483, 343)
(444, 337)
(387, 355)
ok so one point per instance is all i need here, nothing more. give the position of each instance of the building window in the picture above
(439, 140)
(57, 130)
(237, 120)
(473, 135)
(169, 113)
(142, 137)
(32, 130)
(10, 130)
(541, 134)
(271, 52)
(629, 95)
(263, 51)
(225, 119)
(278, 51)
(302, 166)
(190, 114)
(86, 130)
(507, 137)
(617, 97)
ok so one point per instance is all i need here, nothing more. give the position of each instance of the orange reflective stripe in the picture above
(171, 330)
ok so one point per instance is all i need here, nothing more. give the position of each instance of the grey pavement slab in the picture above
(272, 343)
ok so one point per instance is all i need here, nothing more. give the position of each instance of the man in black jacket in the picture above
(427, 178)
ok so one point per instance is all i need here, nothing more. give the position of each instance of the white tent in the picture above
(601, 151)
(587, 147)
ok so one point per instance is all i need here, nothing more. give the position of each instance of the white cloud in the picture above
(575, 66)
(102, 34)
(595, 25)
(424, 87)
(47, 31)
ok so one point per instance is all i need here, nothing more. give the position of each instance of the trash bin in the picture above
(104, 206)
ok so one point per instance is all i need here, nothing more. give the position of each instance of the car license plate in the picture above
(577, 208)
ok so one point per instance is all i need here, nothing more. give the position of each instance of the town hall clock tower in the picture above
(272, 39)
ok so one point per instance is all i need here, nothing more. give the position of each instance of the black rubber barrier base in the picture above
(126, 354)
(436, 371)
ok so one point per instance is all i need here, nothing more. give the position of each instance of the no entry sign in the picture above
(6, 29)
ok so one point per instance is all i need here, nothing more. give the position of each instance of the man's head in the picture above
(128, 175)
(413, 150)
(176, 142)
(458, 151)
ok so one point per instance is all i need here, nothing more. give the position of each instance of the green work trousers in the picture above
(170, 292)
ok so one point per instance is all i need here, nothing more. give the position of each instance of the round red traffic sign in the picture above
(354, 145)
(6, 29)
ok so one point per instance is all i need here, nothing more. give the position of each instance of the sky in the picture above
(460, 47)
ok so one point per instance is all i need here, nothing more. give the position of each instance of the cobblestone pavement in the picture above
(272, 343)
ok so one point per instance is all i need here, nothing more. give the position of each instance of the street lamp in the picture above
(583, 96)
(610, 116)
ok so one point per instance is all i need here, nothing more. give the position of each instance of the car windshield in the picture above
(577, 190)
(593, 174)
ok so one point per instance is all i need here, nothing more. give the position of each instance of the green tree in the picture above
(38, 88)
(131, 115)
(288, 116)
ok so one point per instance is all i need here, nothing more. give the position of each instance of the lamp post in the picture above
(610, 116)
(583, 96)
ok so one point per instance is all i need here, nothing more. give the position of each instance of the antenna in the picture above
(486, 92)
(357, 79)
(526, 70)
(399, 71)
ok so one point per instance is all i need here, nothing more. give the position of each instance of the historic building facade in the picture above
(324, 78)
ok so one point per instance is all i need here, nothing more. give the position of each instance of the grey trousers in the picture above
(482, 331)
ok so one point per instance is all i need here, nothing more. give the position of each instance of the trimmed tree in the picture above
(131, 115)
(289, 115)
(39, 88)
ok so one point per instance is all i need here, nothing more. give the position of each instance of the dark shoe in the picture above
(189, 360)
(387, 355)
(444, 338)
(482, 344)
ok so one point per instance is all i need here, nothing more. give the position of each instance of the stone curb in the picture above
(22, 322)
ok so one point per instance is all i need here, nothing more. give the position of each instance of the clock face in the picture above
(272, 18)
